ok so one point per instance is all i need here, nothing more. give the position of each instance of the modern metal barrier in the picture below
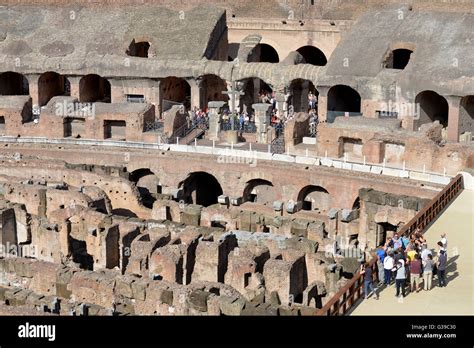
(348, 295)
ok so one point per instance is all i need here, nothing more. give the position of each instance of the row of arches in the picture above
(340, 98)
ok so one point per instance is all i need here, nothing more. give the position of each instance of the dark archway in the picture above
(264, 53)
(51, 84)
(383, 230)
(233, 51)
(343, 99)
(201, 188)
(255, 91)
(356, 204)
(138, 49)
(94, 88)
(148, 185)
(12, 83)
(299, 91)
(213, 87)
(466, 115)
(315, 198)
(398, 59)
(432, 107)
(313, 55)
(174, 91)
(259, 191)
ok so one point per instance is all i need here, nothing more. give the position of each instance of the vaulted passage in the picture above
(51, 84)
(299, 95)
(315, 198)
(432, 107)
(259, 191)
(148, 185)
(256, 91)
(264, 53)
(94, 88)
(342, 99)
(175, 91)
(201, 188)
(12, 83)
(312, 55)
(213, 86)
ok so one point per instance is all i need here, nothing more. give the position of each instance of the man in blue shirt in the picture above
(380, 258)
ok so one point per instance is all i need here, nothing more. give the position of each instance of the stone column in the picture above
(74, 82)
(215, 114)
(197, 92)
(280, 103)
(262, 121)
(323, 102)
(454, 103)
(33, 87)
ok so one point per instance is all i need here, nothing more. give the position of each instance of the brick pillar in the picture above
(262, 121)
(33, 87)
(74, 83)
(116, 91)
(454, 103)
(215, 114)
(197, 92)
(322, 102)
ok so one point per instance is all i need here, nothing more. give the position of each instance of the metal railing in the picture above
(247, 127)
(348, 295)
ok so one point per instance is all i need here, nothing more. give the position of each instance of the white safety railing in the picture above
(337, 163)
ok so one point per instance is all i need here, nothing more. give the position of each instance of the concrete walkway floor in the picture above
(457, 297)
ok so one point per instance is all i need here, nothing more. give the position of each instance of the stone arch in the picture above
(175, 90)
(201, 188)
(259, 191)
(342, 99)
(432, 107)
(148, 185)
(13, 83)
(264, 53)
(315, 198)
(253, 88)
(51, 84)
(356, 204)
(213, 86)
(466, 115)
(299, 91)
(398, 58)
(313, 55)
(94, 88)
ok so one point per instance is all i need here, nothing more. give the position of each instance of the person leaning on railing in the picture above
(366, 272)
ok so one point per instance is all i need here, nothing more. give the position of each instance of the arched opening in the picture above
(255, 91)
(432, 107)
(303, 96)
(466, 115)
(398, 59)
(51, 84)
(384, 229)
(148, 185)
(264, 53)
(138, 49)
(12, 83)
(175, 91)
(213, 87)
(94, 88)
(201, 188)
(124, 212)
(312, 55)
(315, 198)
(259, 191)
(341, 100)
(356, 204)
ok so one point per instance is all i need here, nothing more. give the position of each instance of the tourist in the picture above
(425, 252)
(415, 273)
(380, 259)
(397, 242)
(444, 241)
(442, 261)
(411, 253)
(400, 277)
(405, 241)
(366, 271)
(388, 266)
(428, 266)
(440, 247)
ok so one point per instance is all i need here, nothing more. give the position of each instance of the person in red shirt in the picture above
(415, 273)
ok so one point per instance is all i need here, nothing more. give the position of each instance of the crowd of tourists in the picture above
(197, 117)
(407, 262)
